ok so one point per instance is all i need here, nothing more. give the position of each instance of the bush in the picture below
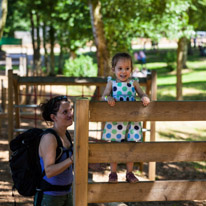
(81, 66)
(170, 59)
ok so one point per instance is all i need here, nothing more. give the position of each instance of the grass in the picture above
(193, 78)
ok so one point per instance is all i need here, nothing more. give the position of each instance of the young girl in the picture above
(123, 89)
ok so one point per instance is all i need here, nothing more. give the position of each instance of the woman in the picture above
(57, 110)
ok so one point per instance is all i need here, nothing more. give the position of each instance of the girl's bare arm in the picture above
(145, 99)
(107, 94)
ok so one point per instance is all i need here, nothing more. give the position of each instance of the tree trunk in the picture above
(100, 41)
(180, 52)
(36, 44)
(46, 58)
(61, 61)
(3, 14)
(52, 41)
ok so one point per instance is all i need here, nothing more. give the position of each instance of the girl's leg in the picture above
(130, 177)
(113, 175)
(113, 167)
(130, 166)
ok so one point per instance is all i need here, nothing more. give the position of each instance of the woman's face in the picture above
(65, 114)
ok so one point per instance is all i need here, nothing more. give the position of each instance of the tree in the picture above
(170, 19)
(75, 29)
(99, 38)
(3, 14)
(16, 20)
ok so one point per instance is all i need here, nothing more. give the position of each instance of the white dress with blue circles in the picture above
(123, 131)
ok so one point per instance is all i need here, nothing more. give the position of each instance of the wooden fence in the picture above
(86, 152)
(15, 82)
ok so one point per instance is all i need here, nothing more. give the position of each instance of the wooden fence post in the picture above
(152, 165)
(81, 152)
(3, 96)
(16, 100)
(10, 105)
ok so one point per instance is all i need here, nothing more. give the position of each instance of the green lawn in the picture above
(193, 78)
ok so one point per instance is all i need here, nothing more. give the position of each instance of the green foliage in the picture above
(17, 18)
(170, 59)
(82, 66)
(122, 24)
(72, 24)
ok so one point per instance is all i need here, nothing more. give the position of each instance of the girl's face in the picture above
(122, 70)
(65, 114)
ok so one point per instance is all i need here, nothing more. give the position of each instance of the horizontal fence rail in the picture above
(147, 191)
(41, 80)
(147, 152)
(155, 111)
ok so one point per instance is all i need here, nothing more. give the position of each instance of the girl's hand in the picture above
(145, 100)
(111, 101)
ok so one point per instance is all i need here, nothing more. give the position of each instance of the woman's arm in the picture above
(107, 94)
(145, 99)
(47, 150)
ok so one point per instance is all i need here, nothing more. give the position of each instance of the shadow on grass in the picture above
(193, 84)
(176, 135)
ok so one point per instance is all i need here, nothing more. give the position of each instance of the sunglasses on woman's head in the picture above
(60, 98)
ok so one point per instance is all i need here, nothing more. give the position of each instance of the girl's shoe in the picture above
(113, 177)
(130, 177)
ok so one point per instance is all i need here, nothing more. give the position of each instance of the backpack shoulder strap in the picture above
(59, 142)
(69, 137)
(59, 150)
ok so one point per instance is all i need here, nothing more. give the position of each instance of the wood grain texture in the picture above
(81, 152)
(155, 111)
(147, 191)
(147, 152)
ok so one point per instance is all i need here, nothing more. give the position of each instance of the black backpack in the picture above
(25, 163)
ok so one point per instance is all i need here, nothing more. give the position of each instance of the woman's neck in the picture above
(60, 130)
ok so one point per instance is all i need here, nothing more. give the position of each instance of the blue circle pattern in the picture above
(109, 126)
(120, 94)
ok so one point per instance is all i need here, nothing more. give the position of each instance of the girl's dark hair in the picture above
(122, 55)
(52, 107)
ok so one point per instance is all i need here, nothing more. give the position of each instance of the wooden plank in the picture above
(147, 191)
(152, 165)
(10, 106)
(81, 152)
(155, 111)
(147, 152)
(16, 100)
(39, 80)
